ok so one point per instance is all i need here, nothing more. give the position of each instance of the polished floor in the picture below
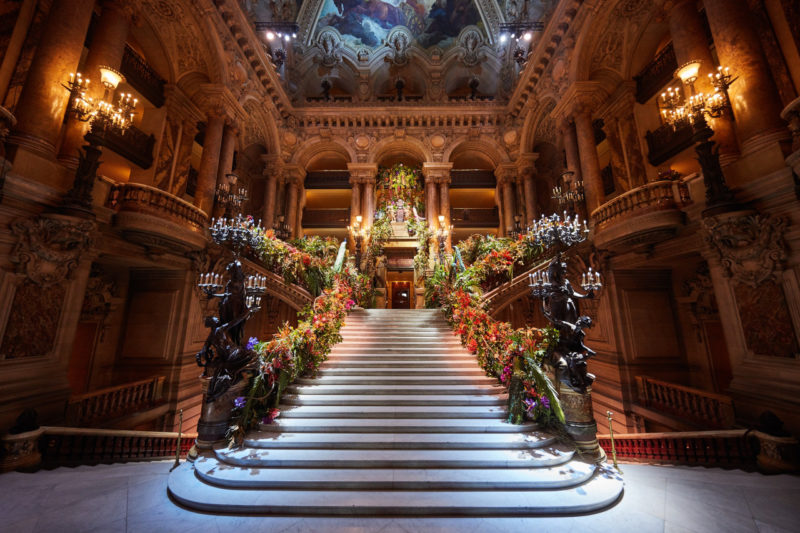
(133, 497)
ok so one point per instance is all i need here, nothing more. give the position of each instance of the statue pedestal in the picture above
(579, 422)
(215, 416)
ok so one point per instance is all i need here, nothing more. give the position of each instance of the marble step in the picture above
(395, 425)
(212, 470)
(397, 342)
(441, 357)
(394, 389)
(433, 380)
(398, 400)
(362, 362)
(350, 370)
(299, 458)
(410, 349)
(597, 493)
(392, 411)
(416, 441)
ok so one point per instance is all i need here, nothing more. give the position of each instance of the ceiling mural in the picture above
(367, 23)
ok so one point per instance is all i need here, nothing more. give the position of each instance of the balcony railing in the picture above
(113, 402)
(653, 196)
(138, 198)
(326, 218)
(706, 409)
(475, 218)
(142, 77)
(135, 145)
(656, 74)
(70, 446)
(710, 448)
(667, 142)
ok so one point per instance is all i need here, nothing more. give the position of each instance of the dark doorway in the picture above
(401, 295)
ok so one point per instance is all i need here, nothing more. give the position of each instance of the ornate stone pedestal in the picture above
(20, 451)
(580, 424)
(215, 416)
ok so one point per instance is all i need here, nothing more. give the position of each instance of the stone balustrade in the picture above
(730, 448)
(656, 74)
(115, 401)
(157, 219)
(640, 217)
(704, 408)
(69, 446)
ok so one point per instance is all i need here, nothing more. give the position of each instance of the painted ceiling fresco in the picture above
(367, 23)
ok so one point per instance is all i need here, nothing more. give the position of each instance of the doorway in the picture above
(401, 295)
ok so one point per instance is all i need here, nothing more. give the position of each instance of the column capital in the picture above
(526, 164)
(273, 165)
(362, 172)
(180, 106)
(437, 172)
(505, 173)
(580, 98)
(294, 174)
(217, 100)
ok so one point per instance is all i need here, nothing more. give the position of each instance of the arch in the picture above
(490, 150)
(393, 146)
(315, 146)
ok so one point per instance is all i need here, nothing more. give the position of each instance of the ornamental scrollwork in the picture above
(750, 247)
(49, 249)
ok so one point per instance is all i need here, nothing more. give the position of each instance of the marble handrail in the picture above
(141, 198)
(115, 401)
(653, 196)
(703, 407)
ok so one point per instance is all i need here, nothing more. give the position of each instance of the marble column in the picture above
(431, 203)
(209, 162)
(292, 195)
(227, 149)
(689, 41)
(444, 206)
(108, 46)
(271, 171)
(15, 44)
(590, 163)
(368, 202)
(506, 176)
(570, 141)
(754, 96)
(521, 207)
(355, 201)
(436, 173)
(527, 174)
(43, 101)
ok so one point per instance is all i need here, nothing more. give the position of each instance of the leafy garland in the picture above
(514, 356)
(301, 349)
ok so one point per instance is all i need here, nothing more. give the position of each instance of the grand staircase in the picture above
(399, 421)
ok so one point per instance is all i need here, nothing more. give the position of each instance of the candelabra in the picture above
(570, 192)
(254, 286)
(229, 195)
(552, 287)
(695, 109)
(516, 231)
(552, 230)
(358, 233)
(282, 229)
(104, 117)
(237, 233)
(442, 232)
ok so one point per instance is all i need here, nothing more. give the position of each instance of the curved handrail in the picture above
(653, 196)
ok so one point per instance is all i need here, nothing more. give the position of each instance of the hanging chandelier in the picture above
(103, 114)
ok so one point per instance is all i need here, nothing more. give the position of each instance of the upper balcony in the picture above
(666, 142)
(157, 220)
(640, 217)
(142, 77)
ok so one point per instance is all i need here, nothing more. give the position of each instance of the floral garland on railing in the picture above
(514, 356)
(312, 263)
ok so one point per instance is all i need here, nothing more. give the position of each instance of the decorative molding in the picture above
(749, 246)
(50, 247)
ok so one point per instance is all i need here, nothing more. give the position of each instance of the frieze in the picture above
(49, 249)
(749, 247)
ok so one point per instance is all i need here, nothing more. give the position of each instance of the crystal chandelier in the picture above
(229, 195)
(570, 192)
(103, 114)
(677, 109)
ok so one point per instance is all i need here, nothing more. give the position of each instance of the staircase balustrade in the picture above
(653, 196)
(705, 408)
(710, 448)
(139, 198)
(77, 446)
(142, 77)
(115, 401)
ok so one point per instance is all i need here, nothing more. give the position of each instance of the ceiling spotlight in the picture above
(294, 36)
(528, 36)
(270, 36)
(287, 37)
(503, 38)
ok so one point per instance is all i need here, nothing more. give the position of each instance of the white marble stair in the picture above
(400, 420)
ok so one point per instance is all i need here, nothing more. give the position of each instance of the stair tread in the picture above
(381, 425)
(217, 472)
(266, 439)
(597, 493)
(393, 411)
(401, 399)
